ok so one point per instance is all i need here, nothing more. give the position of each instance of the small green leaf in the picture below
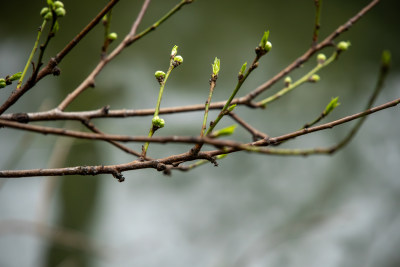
(264, 40)
(225, 131)
(221, 156)
(2, 83)
(332, 105)
(232, 107)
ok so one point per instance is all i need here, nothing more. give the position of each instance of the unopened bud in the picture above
(58, 4)
(60, 12)
(160, 75)
(343, 46)
(177, 61)
(321, 58)
(287, 81)
(314, 78)
(158, 122)
(112, 36)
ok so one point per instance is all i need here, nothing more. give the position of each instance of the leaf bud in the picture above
(15, 76)
(174, 51)
(332, 105)
(216, 66)
(242, 70)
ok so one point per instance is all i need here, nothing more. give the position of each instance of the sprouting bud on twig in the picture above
(265, 46)
(288, 81)
(177, 61)
(231, 107)
(174, 51)
(158, 122)
(321, 58)
(242, 70)
(15, 76)
(343, 46)
(160, 75)
(332, 105)
(216, 66)
(314, 78)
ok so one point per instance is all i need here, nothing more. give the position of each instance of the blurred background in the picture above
(252, 210)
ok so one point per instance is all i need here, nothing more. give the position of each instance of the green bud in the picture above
(268, 46)
(44, 11)
(112, 36)
(321, 58)
(332, 105)
(177, 61)
(314, 78)
(225, 131)
(343, 46)
(48, 16)
(15, 76)
(60, 12)
(216, 66)
(158, 122)
(160, 75)
(242, 70)
(287, 81)
(50, 3)
(58, 4)
(2, 83)
(174, 51)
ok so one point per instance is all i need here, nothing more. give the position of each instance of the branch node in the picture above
(118, 175)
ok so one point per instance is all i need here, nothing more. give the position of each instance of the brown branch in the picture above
(256, 134)
(191, 140)
(51, 65)
(160, 164)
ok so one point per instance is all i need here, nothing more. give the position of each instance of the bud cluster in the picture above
(56, 8)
